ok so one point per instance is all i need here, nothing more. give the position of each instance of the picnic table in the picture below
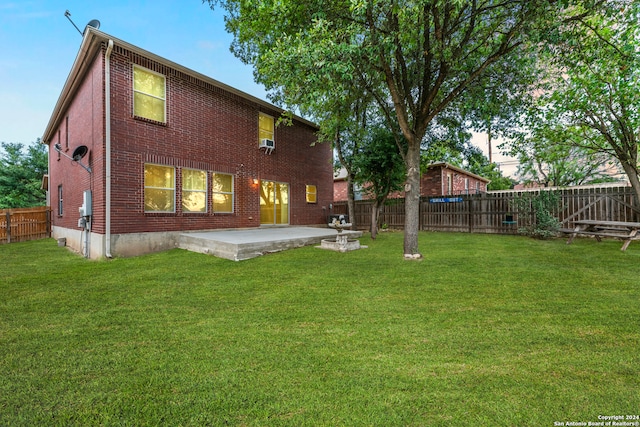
(627, 231)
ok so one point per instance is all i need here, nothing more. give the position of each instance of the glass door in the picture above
(274, 203)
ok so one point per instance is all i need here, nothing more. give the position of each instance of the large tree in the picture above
(591, 96)
(21, 172)
(547, 157)
(379, 169)
(414, 58)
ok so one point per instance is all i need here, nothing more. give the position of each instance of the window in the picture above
(312, 194)
(194, 190)
(66, 132)
(60, 206)
(466, 185)
(265, 127)
(449, 184)
(222, 192)
(159, 188)
(149, 95)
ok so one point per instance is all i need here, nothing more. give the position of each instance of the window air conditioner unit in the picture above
(267, 143)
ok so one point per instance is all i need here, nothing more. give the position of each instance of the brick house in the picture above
(443, 179)
(168, 150)
(440, 179)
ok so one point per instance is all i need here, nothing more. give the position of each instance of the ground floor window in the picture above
(60, 205)
(194, 190)
(159, 188)
(312, 194)
(222, 192)
(274, 203)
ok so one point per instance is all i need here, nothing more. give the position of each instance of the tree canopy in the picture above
(21, 172)
(380, 169)
(415, 59)
(588, 108)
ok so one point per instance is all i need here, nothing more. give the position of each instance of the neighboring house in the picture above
(443, 179)
(440, 179)
(168, 150)
(340, 187)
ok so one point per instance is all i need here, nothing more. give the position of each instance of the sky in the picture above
(38, 45)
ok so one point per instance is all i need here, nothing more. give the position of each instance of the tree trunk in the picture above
(375, 212)
(632, 174)
(351, 204)
(412, 201)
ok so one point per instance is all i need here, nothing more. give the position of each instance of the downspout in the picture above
(107, 149)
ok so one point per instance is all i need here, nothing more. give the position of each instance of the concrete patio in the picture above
(241, 244)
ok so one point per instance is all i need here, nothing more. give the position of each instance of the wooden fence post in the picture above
(48, 219)
(8, 227)
(470, 199)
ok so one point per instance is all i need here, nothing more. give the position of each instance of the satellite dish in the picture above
(94, 23)
(79, 153)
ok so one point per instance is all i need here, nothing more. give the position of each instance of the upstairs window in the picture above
(194, 190)
(149, 95)
(159, 188)
(265, 127)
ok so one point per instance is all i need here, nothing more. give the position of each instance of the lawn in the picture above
(485, 330)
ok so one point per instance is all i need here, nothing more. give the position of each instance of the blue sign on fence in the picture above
(445, 200)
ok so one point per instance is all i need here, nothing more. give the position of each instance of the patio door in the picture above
(274, 203)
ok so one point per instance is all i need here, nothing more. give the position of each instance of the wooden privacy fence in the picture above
(19, 225)
(500, 212)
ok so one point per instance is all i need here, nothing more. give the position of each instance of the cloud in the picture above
(209, 45)
(23, 11)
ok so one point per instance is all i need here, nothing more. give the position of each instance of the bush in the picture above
(540, 207)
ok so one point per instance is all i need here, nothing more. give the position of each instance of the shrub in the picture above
(540, 207)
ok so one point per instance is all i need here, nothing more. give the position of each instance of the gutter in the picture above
(107, 148)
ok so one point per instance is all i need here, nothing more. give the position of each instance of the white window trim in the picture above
(161, 188)
(232, 192)
(60, 200)
(273, 134)
(133, 87)
(205, 191)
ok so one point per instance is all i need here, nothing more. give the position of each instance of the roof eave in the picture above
(92, 40)
(87, 49)
(457, 169)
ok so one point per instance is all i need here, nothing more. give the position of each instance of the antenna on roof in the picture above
(93, 23)
(68, 15)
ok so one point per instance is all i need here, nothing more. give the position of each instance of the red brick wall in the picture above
(207, 128)
(340, 191)
(432, 183)
(82, 124)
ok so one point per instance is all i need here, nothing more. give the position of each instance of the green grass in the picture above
(485, 330)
